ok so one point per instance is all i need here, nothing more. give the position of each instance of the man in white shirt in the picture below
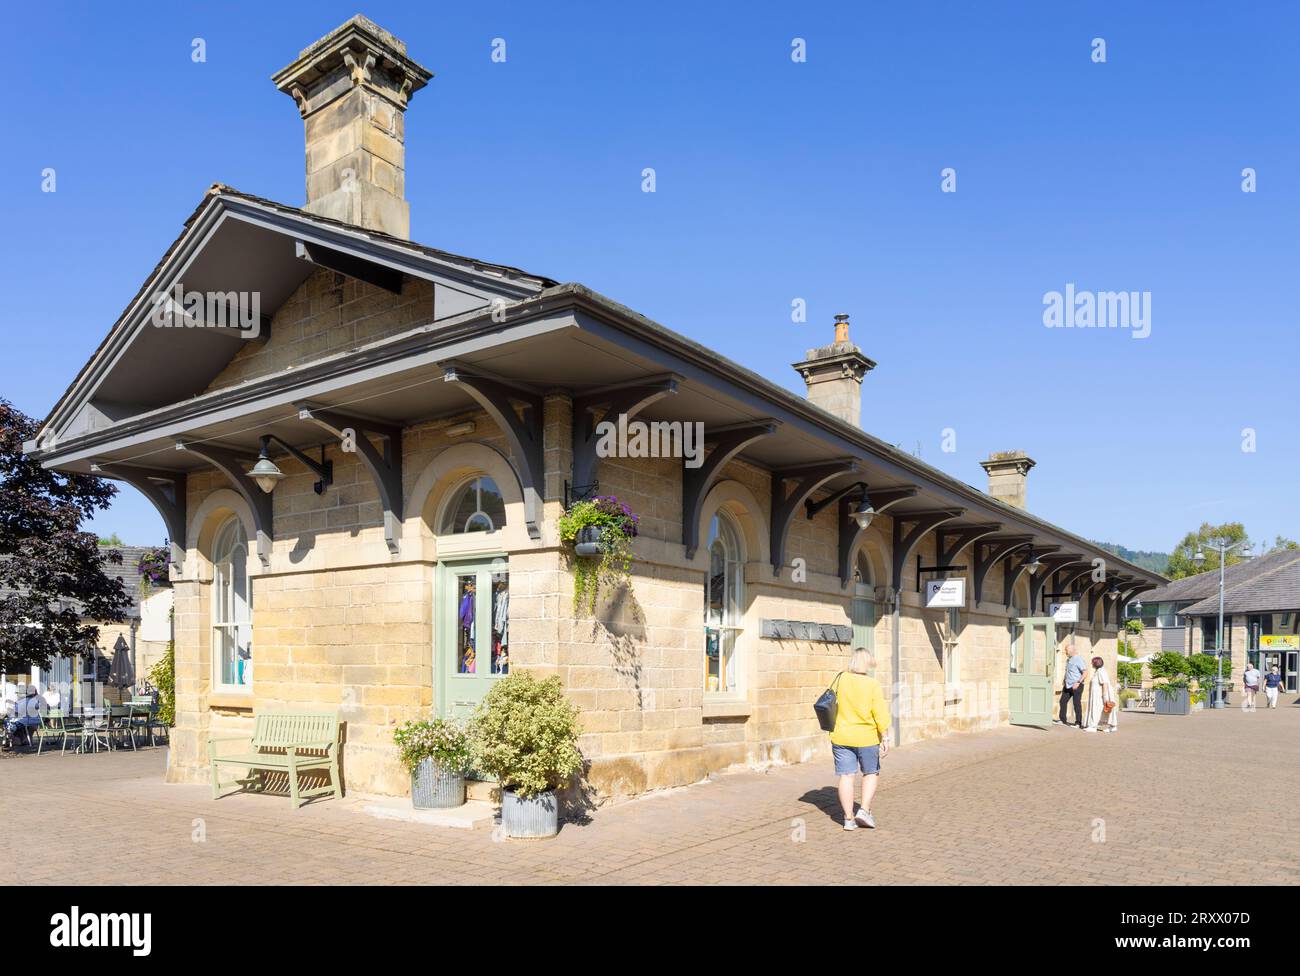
(1250, 687)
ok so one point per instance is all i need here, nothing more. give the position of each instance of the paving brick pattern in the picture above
(1016, 806)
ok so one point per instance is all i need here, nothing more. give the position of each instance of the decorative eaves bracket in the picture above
(906, 539)
(950, 542)
(1011, 571)
(519, 415)
(621, 401)
(990, 552)
(881, 499)
(166, 490)
(1126, 596)
(1050, 564)
(697, 482)
(259, 502)
(783, 507)
(385, 468)
(1096, 592)
(1066, 583)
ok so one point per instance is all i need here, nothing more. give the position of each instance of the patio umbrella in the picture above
(122, 674)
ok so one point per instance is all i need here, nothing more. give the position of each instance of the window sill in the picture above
(230, 699)
(727, 709)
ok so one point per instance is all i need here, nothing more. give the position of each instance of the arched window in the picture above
(477, 506)
(232, 608)
(863, 609)
(724, 601)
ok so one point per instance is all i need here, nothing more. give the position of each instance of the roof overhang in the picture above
(563, 337)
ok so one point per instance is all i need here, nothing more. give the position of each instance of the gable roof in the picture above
(1276, 589)
(239, 242)
(549, 335)
(1203, 585)
(127, 571)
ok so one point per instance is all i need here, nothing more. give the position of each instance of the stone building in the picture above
(431, 416)
(1261, 615)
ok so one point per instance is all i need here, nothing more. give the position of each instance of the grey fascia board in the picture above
(282, 390)
(209, 221)
(205, 225)
(760, 394)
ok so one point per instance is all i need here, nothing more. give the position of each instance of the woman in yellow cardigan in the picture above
(859, 739)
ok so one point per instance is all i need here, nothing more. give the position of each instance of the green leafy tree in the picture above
(51, 572)
(1181, 563)
(112, 542)
(1282, 542)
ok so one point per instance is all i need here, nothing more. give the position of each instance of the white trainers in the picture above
(850, 824)
(865, 819)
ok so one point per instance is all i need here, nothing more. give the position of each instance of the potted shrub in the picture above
(1128, 698)
(525, 733)
(1173, 697)
(437, 753)
(601, 531)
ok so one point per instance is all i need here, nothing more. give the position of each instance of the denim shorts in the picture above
(849, 759)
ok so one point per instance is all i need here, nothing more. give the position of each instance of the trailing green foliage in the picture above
(618, 527)
(163, 677)
(525, 733)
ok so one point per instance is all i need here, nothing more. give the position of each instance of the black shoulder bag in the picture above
(828, 706)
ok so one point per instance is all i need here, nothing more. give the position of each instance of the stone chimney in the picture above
(1008, 471)
(352, 87)
(834, 375)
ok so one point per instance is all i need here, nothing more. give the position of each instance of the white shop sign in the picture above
(1066, 613)
(941, 593)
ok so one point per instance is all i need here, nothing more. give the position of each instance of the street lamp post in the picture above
(1224, 547)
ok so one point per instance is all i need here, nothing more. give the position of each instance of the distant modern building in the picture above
(1261, 614)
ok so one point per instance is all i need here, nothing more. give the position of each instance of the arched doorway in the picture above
(472, 596)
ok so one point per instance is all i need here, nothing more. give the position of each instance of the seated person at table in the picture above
(26, 715)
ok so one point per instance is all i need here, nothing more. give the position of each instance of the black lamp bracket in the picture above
(814, 507)
(324, 468)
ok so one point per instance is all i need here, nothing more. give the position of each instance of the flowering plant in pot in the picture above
(525, 733)
(437, 753)
(601, 531)
(152, 567)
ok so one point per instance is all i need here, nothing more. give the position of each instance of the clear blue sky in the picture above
(776, 181)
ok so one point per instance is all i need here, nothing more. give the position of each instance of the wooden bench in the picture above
(288, 742)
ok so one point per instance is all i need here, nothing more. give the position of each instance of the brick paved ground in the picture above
(1015, 805)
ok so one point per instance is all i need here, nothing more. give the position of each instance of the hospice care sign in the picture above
(941, 593)
(1066, 613)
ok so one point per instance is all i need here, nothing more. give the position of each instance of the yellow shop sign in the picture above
(1279, 642)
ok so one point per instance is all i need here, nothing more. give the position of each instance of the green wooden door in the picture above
(1030, 688)
(471, 646)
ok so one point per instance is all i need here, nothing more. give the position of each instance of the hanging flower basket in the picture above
(600, 531)
(152, 567)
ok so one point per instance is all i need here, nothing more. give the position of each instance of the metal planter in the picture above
(436, 788)
(538, 816)
(1179, 703)
(588, 541)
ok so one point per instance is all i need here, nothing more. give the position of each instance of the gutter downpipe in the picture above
(897, 660)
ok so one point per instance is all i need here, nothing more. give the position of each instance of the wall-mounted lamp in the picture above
(1112, 591)
(267, 473)
(862, 513)
(1032, 563)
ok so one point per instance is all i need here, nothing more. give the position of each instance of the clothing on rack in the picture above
(501, 612)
